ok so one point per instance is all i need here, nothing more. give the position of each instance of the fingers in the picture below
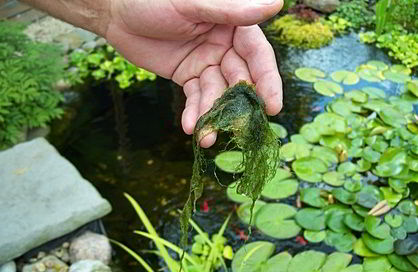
(191, 110)
(252, 46)
(234, 68)
(231, 12)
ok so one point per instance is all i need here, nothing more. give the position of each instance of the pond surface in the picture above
(154, 163)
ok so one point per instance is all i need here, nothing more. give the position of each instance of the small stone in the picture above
(90, 246)
(66, 245)
(8, 267)
(41, 267)
(326, 6)
(89, 266)
(89, 45)
(101, 42)
(47, 264)
(41, 254)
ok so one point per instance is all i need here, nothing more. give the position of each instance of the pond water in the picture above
(154, 164)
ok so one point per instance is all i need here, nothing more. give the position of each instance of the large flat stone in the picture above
(42, 197)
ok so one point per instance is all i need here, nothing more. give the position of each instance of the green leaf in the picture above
(275, 220)
(401, 263)
(369, 196)
(376, 264)
(279, 130)
(374, 92)
(343, 242)
(363, 212)
(347, 168)
(407, 207)
(370, 155)
(353, 268)
(392, 117)
(311, 219)
(278, 263)
(396, 77)
(328, 155)
(307, 261)
(344, 196)
(250, 257)
(353, 186)
(354, 222)
(357, 96)
(377, 245)
(364, 165)
(413, 259)
(336, 262)
(393, 220)
(362, 250)
(335, 222)
(310, 133)
(232, 194)
(398, 233)
(280, 189)
(312, 197)
(412, 86)
(410, 224)
(309, 168)
(230, 161)
(379, 65)
(345, 77)
(327, 88)
(313, 236)
(309, 74)
(334, 178)
(374, 227)
(244, 211)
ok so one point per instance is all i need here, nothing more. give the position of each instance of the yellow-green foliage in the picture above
(294, 32)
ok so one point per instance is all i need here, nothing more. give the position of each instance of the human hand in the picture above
(203, 45)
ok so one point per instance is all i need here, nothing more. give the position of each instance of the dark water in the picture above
(154, 164)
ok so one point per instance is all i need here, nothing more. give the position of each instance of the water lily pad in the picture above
(373, 92)
(334, 178)
(326, 154)
(309, 74)
(232, 194)
(391, 196)
(393, 155)
(360, 210)
(244, 211)
(230, 161)
(327, 88)
(354, 222)
(308, 168)
(335, 222)
(307, 261)
(413, 259)
(401, 104)
(397, 185)
(379, 65)
(330, 123)
(336, 262)
(310, 132)
(279, 130)
(364, 165)
(396, 77)
(376, 228)
(392, 117)
(398, 233)
(407, 207)
(313, 236)
(370, 155)
(275, 220)
(371, 75)
(343, 242)
(344, 196)
(251, 257)
(401, 263)
(353, 186)
(407, 246)
(412, 86)
(393, 220)
(389, 169)
(345, 77)
(380, 146)
(362, 250)
(377, 245)
(357, 96)
(347, 168)
(375, 104)
(278, 263)
(291, 151)
(311, 219)
(399, 68)
(353, 268)
(410, 224)
(312, 197)
(280, 189)
(369, 196)
(376, 264)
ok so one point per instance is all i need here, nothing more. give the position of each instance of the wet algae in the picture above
(241, 113)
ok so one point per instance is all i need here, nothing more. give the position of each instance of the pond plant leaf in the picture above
(376, 228)
(336, 262)
(392, 117)
(312, 197)
(280, 189)
(353, 186)
(407, 207)
(251, 257)
(309, 168)
(369, 196)
(412, 86)
(230, 161)
(278, 263)
(413, 259)
(376, 264)
(327, 88)
(279, 130)
(310, 133)
(311, 219)
(410, 224)
(363, 165)
(356, 96)
(371, 75)
(334, 178)
(354, 222)
(362, 250)
(373, 92)
(399, 68)
(401, 263)
(275, 220)
(370, 155)
(335, 222)
(345, 77)
(344, 196)
(307, 261)
(309, 74)
(398, 233)
(313, 236)
(395, 76)
(360, 210)
(378, 245)
(343, 242)
(407, 246)
(394, 220)
(347, 168)
(377, 64)
(326, 154)
(232, 194)
(353, 268)
(244, 211)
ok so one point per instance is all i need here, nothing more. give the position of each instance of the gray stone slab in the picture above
(42, 197)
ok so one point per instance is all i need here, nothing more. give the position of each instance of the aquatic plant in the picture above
(337, 24)
(207, 254)
(396, 12)
(241, 113)
(291, 31)
(29, 73)
(357, 13)
(104, 63)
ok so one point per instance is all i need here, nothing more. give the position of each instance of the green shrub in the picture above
(396, 12)
(28, 73)
(357, 13)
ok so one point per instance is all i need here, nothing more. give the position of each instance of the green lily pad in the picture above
(353, 268)
(309, 168)
(347, 168)
(336, 262)
(410, 224)
(401, 104)
(326, 154)
(370, 155)
(407, 246)
(393, 220)
(369, 196)
(375, 104)
(310, 133)
(379, 65)
(311, 219)
(364, 165)
(280, 189)
(398, 233)
(391, 196)
(389, 169)
(278, 263)
(354, 222)
(327, 88)
(252, 256)
(377, 245)
(407, 207)
(313, 236)
(412, 86)
(335, 222)
(345, 77)
(244, 211)
(279, 130)
(396, 77)
(307, 261)
(373, 92)
(401, 263)
(392, 117)
(413, 259)
(353, 186)
(232, 194)
(397, 185)
(334, 178)
(275, 220)
(399, 68)
(343, 242)
(230, 161)
(291, 151)
(344, 196)
(371, 75)
(312, 197)
(376, 228)
(330, 123)
(362, 250)
(309, 74)
(393, 155)
(360, 210)
(380, 146)
(413, 164)
(357, 96)
(376, 264)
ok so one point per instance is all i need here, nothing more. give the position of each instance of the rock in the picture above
(42, 197)
(47, 264)
(89, 45)
(91, 246)
(89, 266)
(101, 42)
(325, 6)
(38, 132)
(8, 267)
(69, 40)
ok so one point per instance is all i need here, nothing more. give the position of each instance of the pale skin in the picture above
(203, 45)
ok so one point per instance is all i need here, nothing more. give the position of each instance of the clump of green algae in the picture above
(242, 113)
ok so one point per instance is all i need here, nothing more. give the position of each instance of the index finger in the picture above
(251, 44)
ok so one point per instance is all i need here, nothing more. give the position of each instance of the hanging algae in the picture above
(240, 112)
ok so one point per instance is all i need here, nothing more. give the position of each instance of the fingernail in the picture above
(264, 2)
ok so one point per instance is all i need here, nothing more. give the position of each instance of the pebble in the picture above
(89, 266)
(49, 263)
(91, 246)
(8, 267)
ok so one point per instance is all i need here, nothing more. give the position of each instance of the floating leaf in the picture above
(354, 222)
(309, 74)
(399, 68)
(363, 212)
(230, 161)
(371, 75)
(347, 168)
(310, 133)
(343, 242)
(313, 236)
(376, 264)
(335, 222)
(392, 117)
(344, 196)
(364, 165)
(307, 261)
(232, 194)
(398, 233)
(363, 251)
(369, 196)
(375, 104)
(379, 65)
(308, 168)
(251, 257)
(326, 154)
(396, 77)
(401, 263)
(311, 219)
(336, 262)
(407, 207)
(353, 186)
(393, 220)
(278, 263)
(353, 268)
(312, 197)
(374, 227)
(377, 245)
(390, 196)
(357, 96)
(374, 92)
(275, 220)
(279, 130)
(334, 178)
(288, 151)
(327, 88)
(407, 247)
(401, 104)
(370, 155)
(413, 259)
(345, 77)
(280, 189)
(244, 211)
(412, 86)
(410, 224)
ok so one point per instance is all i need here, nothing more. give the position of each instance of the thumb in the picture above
(231, 12)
